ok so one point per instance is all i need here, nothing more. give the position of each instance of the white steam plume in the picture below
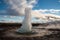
(20, 5)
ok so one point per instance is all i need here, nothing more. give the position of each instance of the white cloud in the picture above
(52, 15)
(59, 1)
(42, 13)
(17, 7)
(36, 13)
(52, 11)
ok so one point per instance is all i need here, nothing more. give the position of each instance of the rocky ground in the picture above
(50, 31)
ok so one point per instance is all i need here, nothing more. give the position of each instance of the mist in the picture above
(17, 7)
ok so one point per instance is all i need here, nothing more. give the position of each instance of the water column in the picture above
(21, 6)
(26, 24)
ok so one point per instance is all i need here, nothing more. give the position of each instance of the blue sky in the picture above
(48, 4)
(3, 5)
(41, 4)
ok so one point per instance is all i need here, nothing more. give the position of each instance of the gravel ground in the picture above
(46, 32)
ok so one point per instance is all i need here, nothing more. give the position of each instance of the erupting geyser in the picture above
(26, 25)
(23, 7)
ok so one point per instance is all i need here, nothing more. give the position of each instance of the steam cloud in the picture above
(17, 7)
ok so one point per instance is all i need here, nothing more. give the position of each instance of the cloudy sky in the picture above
(41, 7)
